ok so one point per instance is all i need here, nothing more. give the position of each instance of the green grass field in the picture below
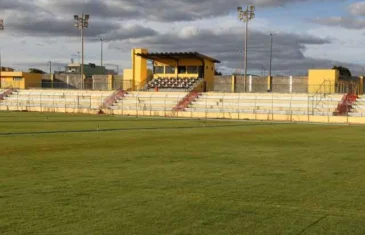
(78, 174)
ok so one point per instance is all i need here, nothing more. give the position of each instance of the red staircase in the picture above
(118, 94)
(6, 93)
(345, 106)
(184, 103)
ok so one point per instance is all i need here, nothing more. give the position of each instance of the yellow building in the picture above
(20, 80)
(329, 81)
(170, 65)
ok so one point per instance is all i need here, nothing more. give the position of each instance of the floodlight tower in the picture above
(82, 22)
(246, 16)
(101, 56)
(1, 29)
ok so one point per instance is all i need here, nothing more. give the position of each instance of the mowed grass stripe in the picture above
(246, 179)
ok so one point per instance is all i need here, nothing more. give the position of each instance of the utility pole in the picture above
(101, 56)
(246, 16)
(50, 73)
(271, 42)
(81, 23)
(1, 29)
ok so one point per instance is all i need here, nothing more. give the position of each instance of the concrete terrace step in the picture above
(24, 105)
(204, 104)
(261, 112)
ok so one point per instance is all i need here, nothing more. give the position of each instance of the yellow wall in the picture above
(28, 80)
(7, 80)
(32, 80)
(209, 75)
(139, 68)
(174, 63)
(209, 70)
(137, 76)
(322, 81)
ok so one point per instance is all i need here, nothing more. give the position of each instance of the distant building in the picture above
(89, 70)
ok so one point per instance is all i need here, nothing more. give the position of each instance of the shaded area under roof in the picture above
(176, 56)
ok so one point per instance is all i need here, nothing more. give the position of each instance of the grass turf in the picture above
(60, 175)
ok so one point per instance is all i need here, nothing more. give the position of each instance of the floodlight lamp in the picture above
(86, 25)
(239, 9)
(252, 8)
(76, 25)
(76, 17)
(252, 15)
(87, 17)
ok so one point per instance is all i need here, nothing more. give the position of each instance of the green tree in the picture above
(343, 70)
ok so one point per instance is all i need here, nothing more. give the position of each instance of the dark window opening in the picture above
(192, 69)
(182, 69)
(159, 69)
(170, 70)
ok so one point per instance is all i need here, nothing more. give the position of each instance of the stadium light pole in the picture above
(82, 22)
(101, 56)
(246, 16)
(1, 29)
(271, 44)
(270, 66)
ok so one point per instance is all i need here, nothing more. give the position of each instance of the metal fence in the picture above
(253, 106)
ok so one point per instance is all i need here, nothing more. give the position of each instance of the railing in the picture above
(184, 103)
(113, 98)
(345, 106)
(6, 93)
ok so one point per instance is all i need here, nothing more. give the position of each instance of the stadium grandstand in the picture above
(182, 84)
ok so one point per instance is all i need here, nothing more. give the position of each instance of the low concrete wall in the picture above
(294, 84)
(63, 81)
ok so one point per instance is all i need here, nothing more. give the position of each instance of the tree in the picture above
(343, 70)
(216, 72)
(33, 70)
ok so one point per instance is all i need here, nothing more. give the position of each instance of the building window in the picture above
(170, 70)
(192, 69)
(17, 79)
(159, 69)
(182, 70)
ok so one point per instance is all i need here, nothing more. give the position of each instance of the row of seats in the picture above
(358, 109)
(149, 101)
(172, 83)
(24, 99)
(265, 104)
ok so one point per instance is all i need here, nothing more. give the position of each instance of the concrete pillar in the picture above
(361, 89)
(250, 84)
(291, 84)
(233, 84)
(269, 83)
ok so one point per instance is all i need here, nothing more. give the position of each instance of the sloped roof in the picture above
(176, 56)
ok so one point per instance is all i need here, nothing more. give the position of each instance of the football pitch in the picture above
(80, 174)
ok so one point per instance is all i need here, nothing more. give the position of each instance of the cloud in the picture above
(357, 9)
(343, 22)
(227, 46)
(156, 10)
(45, 25)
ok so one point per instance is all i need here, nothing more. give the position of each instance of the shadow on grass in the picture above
(136, 129)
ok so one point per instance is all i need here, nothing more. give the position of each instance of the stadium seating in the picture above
(265, 103)
(185, 84)
(149, 101)
(57, 100)
(358, 110)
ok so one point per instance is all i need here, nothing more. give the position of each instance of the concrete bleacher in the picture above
(265, 103)
(148, 101)
(358, 109)
(55, 100)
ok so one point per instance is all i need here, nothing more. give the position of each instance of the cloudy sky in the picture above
(307, 33)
